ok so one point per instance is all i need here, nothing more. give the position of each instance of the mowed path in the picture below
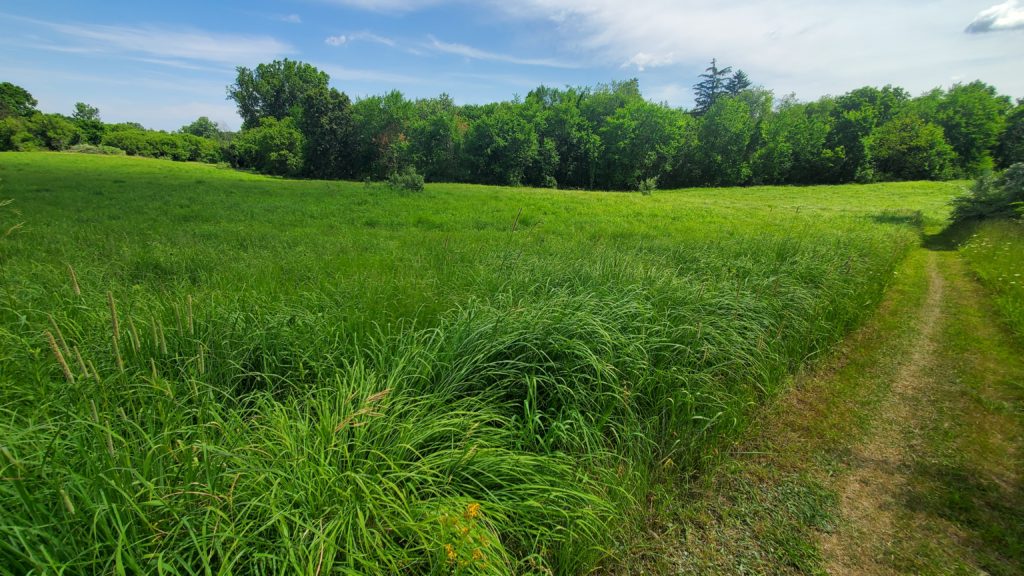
(903, 453)
(941, 458)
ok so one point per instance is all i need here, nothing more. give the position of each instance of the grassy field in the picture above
(996, 255)
(209, 371)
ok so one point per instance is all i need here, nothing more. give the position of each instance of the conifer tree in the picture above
(711, 87)
(738, 83)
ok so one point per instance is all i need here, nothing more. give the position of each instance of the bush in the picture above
(647, 185)
(92, 149)
(406, 179)
(273, 147)
(180, 147)
(133, 142)
(994, 195)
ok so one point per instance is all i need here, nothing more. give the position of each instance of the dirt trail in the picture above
(880, 465)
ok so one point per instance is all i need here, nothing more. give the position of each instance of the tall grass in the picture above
(491, 398)
(995, 254)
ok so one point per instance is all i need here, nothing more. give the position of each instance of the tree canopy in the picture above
(606, 136)
(273, 90)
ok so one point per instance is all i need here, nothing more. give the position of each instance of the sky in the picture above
(165, 64)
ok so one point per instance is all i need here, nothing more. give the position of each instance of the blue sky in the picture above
(166, 63)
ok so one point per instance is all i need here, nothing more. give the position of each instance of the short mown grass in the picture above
(205, 371)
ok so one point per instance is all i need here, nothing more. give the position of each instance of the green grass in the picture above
(324, 377)
(995, 253)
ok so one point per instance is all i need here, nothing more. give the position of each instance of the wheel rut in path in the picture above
(868, 499)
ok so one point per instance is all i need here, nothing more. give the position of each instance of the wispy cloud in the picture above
(478, 54)
(1006, 16)
(643, 60)
(363, 75)
(184, 44)
(364, 36)
(289, 18)
(386, 5)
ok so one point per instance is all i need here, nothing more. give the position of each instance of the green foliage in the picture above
(1011, 142)
(792, 146)
(202, 127)
(328, 134)
(713, 85)
(993, 195)
(406, 180)
(725, 134)
(16, 101)
(436, 134)
(273, 90)
(855, 116)
(154, 144)
(647, 186)
(641, 140)
(563, 126)
(737, 83)
(908, 148)
(53, 131)
(972, 116)
(501, 145)
(94, 149)
(273, 147)
(381, 140)
(85, 113)
(605, 137)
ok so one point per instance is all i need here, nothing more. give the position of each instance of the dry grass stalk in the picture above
(60, 358)
(74, 281)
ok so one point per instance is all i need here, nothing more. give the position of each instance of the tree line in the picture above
(602, 137)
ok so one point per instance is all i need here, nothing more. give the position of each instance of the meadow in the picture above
(208, 371)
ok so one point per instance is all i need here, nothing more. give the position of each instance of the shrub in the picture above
(647, 185)
(180, 147)
(133, 142)
(93, 149)
(994, 195)
(406, 179)
(273, 147)
(53, 131)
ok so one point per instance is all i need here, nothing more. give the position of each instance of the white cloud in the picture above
(813, 48)
(643, 60)
(290, 18)
(478, 54)
(364, 36)
(1006, 16)
(186, 44)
